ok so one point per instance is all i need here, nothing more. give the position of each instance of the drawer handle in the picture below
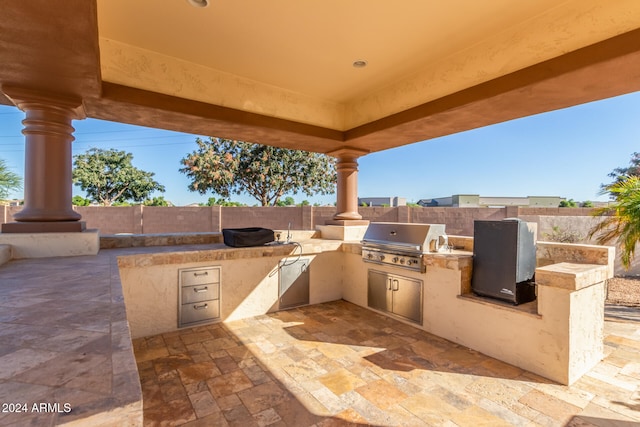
(205, 289)
(200, 307)
(206, 273)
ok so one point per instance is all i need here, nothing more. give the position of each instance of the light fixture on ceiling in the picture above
(360, 63)
(198, 3)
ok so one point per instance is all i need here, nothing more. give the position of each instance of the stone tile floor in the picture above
(337, 364)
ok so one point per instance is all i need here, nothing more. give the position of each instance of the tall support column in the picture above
(48, 162)
(347, 197)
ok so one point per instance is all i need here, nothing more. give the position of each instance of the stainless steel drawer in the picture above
(199, 311)
(200, 292)
(199, 276)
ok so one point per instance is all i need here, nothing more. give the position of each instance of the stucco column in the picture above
(347, 197)
(48, 161)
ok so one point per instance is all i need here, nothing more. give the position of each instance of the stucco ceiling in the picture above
(281, 71)
(308, 48)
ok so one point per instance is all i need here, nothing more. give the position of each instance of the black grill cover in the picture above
(245, 237)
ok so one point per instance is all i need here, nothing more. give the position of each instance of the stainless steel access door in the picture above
(379, 291)
(294, 282)
(394, 294)
(407, 298)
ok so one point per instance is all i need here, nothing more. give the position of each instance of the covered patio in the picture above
(331, 364)
(341, 78)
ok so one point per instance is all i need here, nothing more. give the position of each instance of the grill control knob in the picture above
(382, 257)
(395, 259)
(401, 260)
(369, 256)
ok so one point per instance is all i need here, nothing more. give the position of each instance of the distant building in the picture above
(382, 201)
(602, 204)
(477, 201)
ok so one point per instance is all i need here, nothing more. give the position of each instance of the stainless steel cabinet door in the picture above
(398, 295)
(407, 298)
(294, 282)
(379, 290)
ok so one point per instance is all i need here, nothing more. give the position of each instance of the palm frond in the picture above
(621, 221)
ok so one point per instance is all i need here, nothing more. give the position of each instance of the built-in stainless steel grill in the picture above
(402, 244)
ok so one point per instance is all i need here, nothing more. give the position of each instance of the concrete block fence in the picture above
(153, 219)
(458, 221)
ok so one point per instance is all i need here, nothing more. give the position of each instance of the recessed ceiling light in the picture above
(198, 3)
(360, 63)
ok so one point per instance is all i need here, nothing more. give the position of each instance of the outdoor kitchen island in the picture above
(247, 280)
(73, 343)
(558, 336)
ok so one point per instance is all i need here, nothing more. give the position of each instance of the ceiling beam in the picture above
(50, 47)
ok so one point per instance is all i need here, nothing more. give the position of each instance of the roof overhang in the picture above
(281, 73)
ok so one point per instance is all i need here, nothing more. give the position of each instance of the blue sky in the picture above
(566, 153)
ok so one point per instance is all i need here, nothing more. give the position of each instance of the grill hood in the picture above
(405, 237)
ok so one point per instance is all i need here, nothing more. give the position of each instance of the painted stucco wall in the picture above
(248, 287)
(558, 337)
(560, 340)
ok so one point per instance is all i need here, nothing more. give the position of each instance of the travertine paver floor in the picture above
(339, 364)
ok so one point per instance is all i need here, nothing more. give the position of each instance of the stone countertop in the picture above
(159, 255)
(452, 260)
(115, 241)
(65, 341)
(571, 276)
(181, 254)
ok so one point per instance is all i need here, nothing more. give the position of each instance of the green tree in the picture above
(109, 177)
(587, 204)
(621, 220)
(287, 201)
(80, 201)
(568, 203)
(157, 201)
(266, 173)
(620, 174)
(221, 202)
(9, 181)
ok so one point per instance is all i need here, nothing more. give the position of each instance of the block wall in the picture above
(458, 221)
(157, 219)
